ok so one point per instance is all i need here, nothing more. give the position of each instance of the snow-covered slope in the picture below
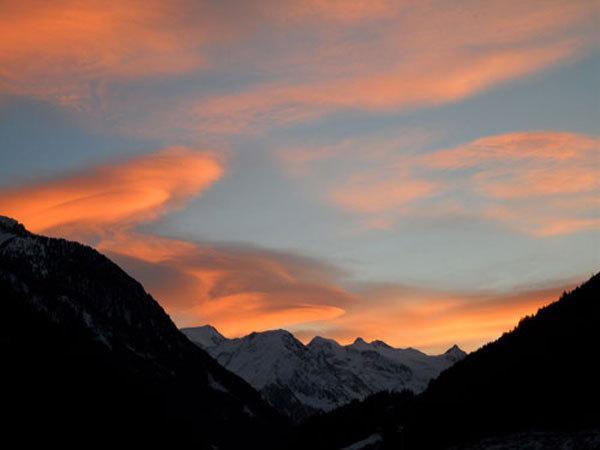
(302, 379)
(205, 337)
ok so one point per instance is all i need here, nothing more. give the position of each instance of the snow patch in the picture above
(371, 440)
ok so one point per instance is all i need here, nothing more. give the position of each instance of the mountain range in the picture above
(301, 380)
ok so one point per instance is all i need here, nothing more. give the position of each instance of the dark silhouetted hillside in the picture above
(541, 376)
(88, 358)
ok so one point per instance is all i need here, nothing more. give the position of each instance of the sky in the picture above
(424, 173)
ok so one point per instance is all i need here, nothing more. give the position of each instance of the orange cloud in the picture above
(541, 183)
(122, 194)
(367, 175)
(372, 195)
(369, 151)
(64, 50)
(451, 79)
(334, 10)
(550, 216)
(238, 289)
(416, 55)
(515, 147)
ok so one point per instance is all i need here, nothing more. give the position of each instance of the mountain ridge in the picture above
(87, 352)
(303, 379)
(210, 330)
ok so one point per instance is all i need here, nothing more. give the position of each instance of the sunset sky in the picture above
(420, 172)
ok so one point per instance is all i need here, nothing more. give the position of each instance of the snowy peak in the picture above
(205, 336)
(272, 335)
(454, 353)
(271, 339)
(360, 344)
(318, 342)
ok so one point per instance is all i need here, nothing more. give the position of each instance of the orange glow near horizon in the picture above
(241, 314)
(433, 321)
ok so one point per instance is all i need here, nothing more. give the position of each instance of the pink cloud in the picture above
(540, 183)
(238, 289)
(371, 195)
(67, 51)
(116, 195)
(415, 55)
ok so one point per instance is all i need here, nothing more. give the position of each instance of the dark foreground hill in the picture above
(541, 379)
(88, 358)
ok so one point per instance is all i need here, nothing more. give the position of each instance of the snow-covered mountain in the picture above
(302, 379)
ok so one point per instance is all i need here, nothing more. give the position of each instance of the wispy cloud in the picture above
(332, 10)
(235, 287)
(376, 193)
(418, 55)
(447, 79)
(540, 183)
(67, 51)
(121, 194)
(300, 60)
